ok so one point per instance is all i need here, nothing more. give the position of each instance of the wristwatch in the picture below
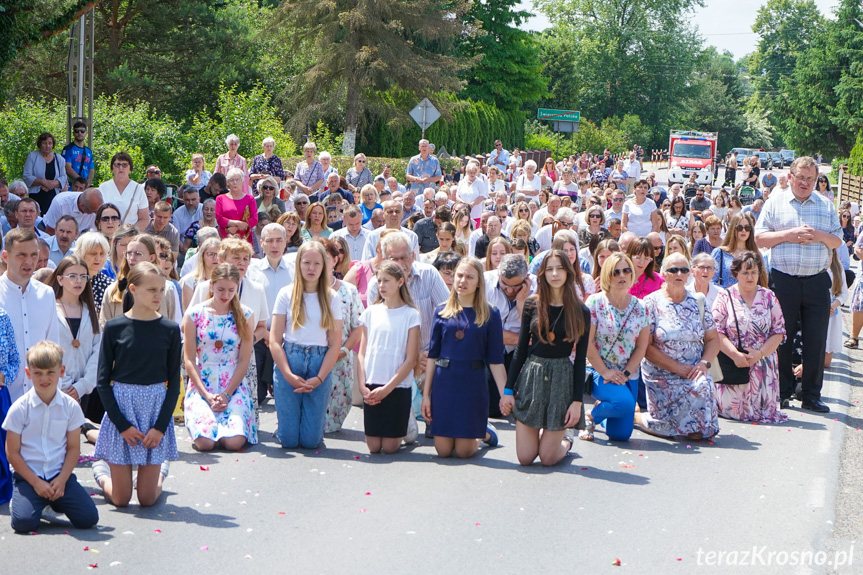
(705, 362)
(626, 372)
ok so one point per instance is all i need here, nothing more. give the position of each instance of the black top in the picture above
(553, 350)
(140, 353)
(74, 325)
(51, 169)
(425, 230)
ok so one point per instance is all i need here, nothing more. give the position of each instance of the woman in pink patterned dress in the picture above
(762, 329)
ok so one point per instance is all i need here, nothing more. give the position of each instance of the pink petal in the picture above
(368, 492)
(362, 510)
(157, 530)
(205, 468)
(205, 548)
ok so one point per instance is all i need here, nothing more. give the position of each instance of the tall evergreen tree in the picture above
(362, 48)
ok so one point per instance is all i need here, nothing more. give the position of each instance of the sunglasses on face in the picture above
(107, 219)
(81, 131)
(121, 164)
(626, 271)
(597, 216)
(268, 188)
(301, 203)
(744, 228)
(676, 271)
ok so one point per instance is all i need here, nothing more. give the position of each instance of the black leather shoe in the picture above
(817, 406)
(785, 404)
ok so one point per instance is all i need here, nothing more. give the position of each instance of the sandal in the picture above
(851, 343)
(586, 434)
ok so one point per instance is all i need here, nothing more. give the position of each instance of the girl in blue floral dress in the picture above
(9, 365)
(218, 345)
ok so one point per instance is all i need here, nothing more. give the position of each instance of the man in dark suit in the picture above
(426, 228)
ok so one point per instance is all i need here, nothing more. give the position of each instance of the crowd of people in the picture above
(496, 290)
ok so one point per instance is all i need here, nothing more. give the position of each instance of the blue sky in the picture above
(726, 24)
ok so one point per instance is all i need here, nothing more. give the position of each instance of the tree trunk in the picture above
(352, 115)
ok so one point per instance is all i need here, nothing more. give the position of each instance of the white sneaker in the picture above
(100, 469)
(51, 516)
(413, 430)
(164, 469)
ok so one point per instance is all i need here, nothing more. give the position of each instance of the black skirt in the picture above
(390, 417)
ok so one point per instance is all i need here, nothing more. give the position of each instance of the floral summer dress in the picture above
(758, 400)
(343, 372)
(217, 364)
(676, 405)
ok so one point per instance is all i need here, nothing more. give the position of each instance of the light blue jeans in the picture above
(616, 407)
(301, 416)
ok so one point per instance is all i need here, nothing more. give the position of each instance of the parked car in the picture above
(787, 156)
(766, 160)
(778, 162)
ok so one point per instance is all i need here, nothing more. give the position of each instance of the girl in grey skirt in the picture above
(544, 389)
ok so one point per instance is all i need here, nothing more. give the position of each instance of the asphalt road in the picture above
(657, 506)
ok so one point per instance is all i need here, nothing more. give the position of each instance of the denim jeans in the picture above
(616, 407)
(301, 416)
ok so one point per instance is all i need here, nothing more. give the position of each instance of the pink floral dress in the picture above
(759, 400)
(217, 364)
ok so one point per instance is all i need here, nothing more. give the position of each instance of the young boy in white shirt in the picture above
(43, 435)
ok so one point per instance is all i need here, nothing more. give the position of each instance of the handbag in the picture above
(588, 383)
(731, 373)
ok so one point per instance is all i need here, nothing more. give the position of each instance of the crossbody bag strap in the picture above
(132, 202)
(736, 324)
(622, 325)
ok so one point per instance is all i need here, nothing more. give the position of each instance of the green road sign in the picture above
(567, 115)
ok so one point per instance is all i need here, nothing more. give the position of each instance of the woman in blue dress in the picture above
(10, 363)
(467, 336)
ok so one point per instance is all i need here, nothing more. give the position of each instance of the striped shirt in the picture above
(784, 211)
(428, 291)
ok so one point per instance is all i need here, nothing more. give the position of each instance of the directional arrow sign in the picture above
(424, 114)
(567, 115)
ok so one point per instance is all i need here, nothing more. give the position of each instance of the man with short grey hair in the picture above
(18, 188)
(565, 218)
(506, 289)
(493, 228)
(392, 221)
(274, 271)
(423, 168)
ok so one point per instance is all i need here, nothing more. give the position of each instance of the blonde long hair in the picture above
(298, 305)
(225, 271)
(480, 306)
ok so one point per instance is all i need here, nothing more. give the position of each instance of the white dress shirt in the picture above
(43, 428)
(375, 236)
(34, 318)
(355, 244)
(252, 295)
(271, 279)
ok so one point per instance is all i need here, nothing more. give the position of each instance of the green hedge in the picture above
(472, 130)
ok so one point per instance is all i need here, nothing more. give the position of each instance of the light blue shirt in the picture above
(422, 169)
(502, 159)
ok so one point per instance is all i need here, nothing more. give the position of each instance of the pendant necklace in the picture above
(219, 343)
(459, 332)
(551, 335)
(75, 343)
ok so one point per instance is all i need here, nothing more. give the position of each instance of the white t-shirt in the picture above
(640, 216)
(470, 192)
(311, 333)
(525, 184)
(387, 341)
(111, 195)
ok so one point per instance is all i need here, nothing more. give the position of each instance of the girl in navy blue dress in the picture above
(467, 336)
